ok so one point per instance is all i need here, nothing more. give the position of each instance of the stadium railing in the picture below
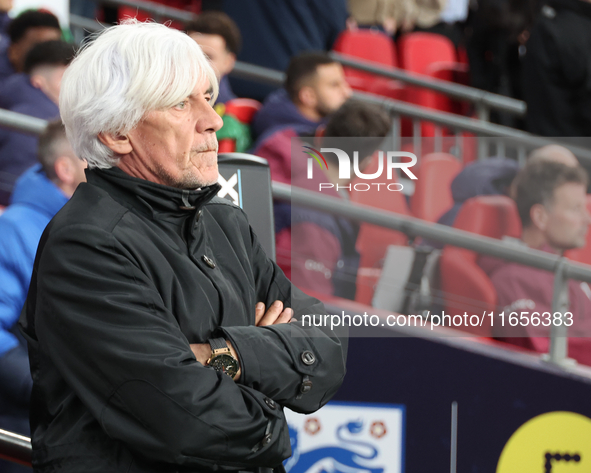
(15, 448)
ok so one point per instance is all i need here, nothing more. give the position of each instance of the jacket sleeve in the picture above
(101, 323)
(15, 379)
(300, 366)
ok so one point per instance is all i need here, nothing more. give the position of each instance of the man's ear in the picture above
(307, 97)
(119, 144)
(38, 81)
(539, 216)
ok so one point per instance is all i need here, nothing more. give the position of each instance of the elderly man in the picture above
(161, 336)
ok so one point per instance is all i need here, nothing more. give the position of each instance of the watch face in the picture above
(225, 364)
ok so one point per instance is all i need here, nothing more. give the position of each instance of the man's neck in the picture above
(535, 239)
(309, 113)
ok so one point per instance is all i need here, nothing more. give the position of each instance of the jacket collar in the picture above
(157, 200)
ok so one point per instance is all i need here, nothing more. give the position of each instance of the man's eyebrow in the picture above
(209, 91)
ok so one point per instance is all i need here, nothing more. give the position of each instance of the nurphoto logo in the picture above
(391, 159)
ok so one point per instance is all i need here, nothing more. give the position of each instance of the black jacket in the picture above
(557, 70)
(119, 291)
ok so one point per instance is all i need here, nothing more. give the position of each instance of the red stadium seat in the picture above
(417, 52)
(465, 285)
(243, 109)
(432, 196)
(373, 240)
(582, 255)
(373, 46)
(451, 72)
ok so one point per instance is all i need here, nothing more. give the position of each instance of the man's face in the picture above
(18, 51)
(214, 47)
(331, 88)
(177, 147)
(567, 217)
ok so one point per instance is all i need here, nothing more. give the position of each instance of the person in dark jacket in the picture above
(161, 337)
(34, 93)
(557, 70)
(39, 194)
(274, 32)
(25, 31)
(492, 176)
(315, 86)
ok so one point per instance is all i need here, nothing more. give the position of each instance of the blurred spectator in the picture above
(555, 153)
(388, 15)
(495, 176)
(26, 30)
(551, 201)
(38, 195)
(5, 7)
(325, 258)
(43, 71)
(556, 71)
(220, 39)
(37, 93)
(496, 36)
(273, 32)
(489, 177)
(315, 86)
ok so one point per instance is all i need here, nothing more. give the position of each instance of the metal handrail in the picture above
(448, 120)
(416, 227)
(15, 448)
(457, 91)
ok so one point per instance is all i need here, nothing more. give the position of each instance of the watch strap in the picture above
(218, 344)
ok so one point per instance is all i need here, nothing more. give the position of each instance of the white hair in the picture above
(127, 71)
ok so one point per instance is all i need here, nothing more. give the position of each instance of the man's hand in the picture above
(275, 314)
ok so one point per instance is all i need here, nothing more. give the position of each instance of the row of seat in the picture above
(463, 283)
(428, 54)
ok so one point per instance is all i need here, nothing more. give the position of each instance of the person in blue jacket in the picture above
(38, 195)
(34, 93)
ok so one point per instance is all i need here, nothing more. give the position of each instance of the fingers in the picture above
(285, 316)
(272, 314)
(259, 312)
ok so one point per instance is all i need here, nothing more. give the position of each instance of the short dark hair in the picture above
(217, 22)
(50, 146)
(301, 69)
(536, 183)
(49, 53)
(356, 119)
(28, 19)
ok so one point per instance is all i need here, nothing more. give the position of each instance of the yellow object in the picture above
(555, 440)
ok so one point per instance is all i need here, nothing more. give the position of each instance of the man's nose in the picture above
(208, 119)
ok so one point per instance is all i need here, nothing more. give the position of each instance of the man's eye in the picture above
(181, 105)
(208, 97)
